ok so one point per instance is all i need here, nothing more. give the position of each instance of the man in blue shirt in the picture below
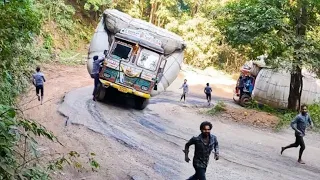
(38, 79)
(299, 124)
(95, 73)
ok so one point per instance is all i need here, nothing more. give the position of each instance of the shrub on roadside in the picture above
(286, 116)
(219, 107)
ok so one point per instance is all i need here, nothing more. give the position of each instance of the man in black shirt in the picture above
(299, 124)
(204, 144)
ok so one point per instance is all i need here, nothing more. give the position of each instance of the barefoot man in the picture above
(299, 124)
(204, 144)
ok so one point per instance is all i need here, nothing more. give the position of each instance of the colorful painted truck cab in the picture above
(133, 65)
(141, 59)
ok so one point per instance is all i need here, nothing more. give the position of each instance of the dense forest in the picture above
(219, 33)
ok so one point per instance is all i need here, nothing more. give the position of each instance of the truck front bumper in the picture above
(124, 89)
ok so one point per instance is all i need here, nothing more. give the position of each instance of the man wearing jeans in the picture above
(299, 124)
(204, 144)
(185, 88)
(38, 79)
(95, 73)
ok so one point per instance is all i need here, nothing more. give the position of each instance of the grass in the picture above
(218, 108)
(72, 58)
(286, 116)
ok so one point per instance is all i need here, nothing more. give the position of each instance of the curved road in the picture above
(148, 144)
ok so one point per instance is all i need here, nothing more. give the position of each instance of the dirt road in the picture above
(148, 144)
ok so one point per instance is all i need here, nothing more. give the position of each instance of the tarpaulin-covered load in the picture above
(254, 66)
(272, 87)
(113, 21)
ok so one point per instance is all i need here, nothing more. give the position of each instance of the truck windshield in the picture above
(148, 60)
(121, 51)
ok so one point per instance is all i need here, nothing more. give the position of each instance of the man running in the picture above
(38, 79)
(185, 88)
(95, 73)
(204, 144)
(207, 91)
(299, 124)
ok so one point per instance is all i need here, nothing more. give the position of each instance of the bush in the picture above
(314, 111)
(219, 107)
(20, 25)
(286, 116)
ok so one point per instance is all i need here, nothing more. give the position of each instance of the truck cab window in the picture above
(121, 51)
(148, 60)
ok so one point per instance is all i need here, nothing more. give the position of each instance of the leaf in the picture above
(11, 113)
(94, 164)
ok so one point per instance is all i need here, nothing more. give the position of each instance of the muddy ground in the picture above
(132, 144)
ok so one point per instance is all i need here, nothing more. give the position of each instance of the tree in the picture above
(285, 30)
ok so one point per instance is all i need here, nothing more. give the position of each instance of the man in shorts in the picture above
(38, 80)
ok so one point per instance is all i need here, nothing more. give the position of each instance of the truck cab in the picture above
(133, 65)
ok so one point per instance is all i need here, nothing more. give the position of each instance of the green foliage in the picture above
(314, 111)
(279, 28)
(19, 24)
(218, 108)
(7, 141)
(269, 27)
(97, 5)
(286, 116)
(204, 46)
(18, 149)
(61, 28)
(57, 11)
(20, 28)
(285, 119)
(48, 41)
(255, 24)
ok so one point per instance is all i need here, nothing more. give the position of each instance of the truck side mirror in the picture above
(105, 52)
(155, 87)
(163, 63)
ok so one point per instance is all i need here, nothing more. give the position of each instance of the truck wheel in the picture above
(245, 100)
(141, 103)
(100, 93)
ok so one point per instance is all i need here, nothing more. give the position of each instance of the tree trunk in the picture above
(141, 9)
(153, 11)
(296, 83)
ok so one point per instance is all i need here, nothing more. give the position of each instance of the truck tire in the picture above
(100, 93)
(245, 100)
(141, 103)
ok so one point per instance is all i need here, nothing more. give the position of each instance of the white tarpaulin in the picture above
(272, 87)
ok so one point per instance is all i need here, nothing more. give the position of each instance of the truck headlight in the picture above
(144, 88)
(107, 75)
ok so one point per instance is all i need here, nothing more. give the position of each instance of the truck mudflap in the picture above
(124, 89)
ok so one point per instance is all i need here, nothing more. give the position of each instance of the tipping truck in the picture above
(141, 59)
